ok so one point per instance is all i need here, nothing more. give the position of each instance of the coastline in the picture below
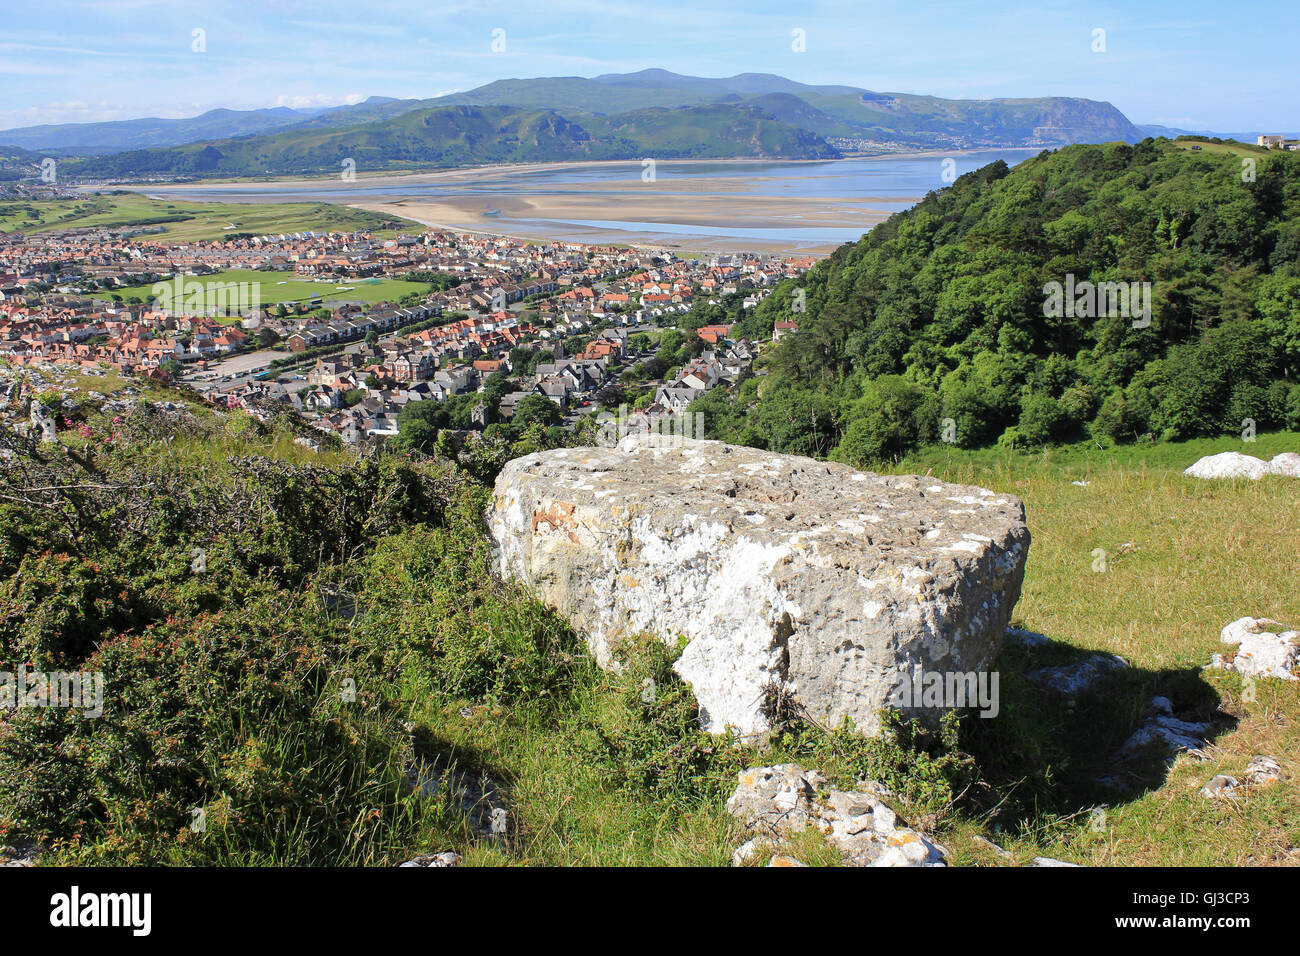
(779, 208)
(455, 173)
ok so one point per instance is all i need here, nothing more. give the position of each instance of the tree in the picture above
(536, 408)
(893, 417)
(1042, 420)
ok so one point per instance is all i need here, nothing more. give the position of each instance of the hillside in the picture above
(713, 131)
(471, 135)
(291, 640)
(653, 112)
(940, 323)
(827, 110)
(89, 139)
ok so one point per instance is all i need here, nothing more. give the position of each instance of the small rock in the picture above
(908, 848)
(775, 798)
(1263, 770)
(782, 860)
(1048, 861)
(1173, 735)
(1229, 464)
(1026, 638)
(1220, 787)
(745, 852)
(1286, 464)
(1071, 680)
(1160, 732)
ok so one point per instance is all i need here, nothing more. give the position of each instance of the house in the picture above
(675, 399)
(783, 329)
(508, 402)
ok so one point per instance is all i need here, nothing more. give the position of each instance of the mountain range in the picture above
(613, 116)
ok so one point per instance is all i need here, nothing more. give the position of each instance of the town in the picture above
(580, 326)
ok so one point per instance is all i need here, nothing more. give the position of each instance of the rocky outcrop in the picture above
(1071, 680)
(776, 801)
(1162, 735)
(1231, 464)
(42, 423)
(788, 578)
(1264, 648)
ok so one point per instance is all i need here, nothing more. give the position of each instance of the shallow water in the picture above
(884, 183)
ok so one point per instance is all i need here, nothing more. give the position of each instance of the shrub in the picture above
(893, 417)
(1042, 420)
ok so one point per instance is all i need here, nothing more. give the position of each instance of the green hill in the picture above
(715, 130)
(471, 135)
(614, 116)
(827, 110)
(944, 313)
(289, 639)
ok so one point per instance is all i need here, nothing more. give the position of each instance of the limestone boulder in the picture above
(787, 578)
(1264, 648)
(1231, 464)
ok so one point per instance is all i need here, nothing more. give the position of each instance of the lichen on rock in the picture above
(831, 584)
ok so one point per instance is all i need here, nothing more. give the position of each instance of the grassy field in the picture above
(277, 287)
(595, 775)
(1185, 557)
(184, 221)
(1220, 149)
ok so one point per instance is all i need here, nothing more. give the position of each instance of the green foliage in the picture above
(950, 296)
(924, 766)
(643, 730)
(536, 408)
(892, 416)
(430, 595)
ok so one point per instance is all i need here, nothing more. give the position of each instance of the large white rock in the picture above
(779, 571)
(1287, 463)
(1228, 464)
(1231, 464)
(1265, 649)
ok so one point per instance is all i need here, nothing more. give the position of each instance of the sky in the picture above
(1193, 64)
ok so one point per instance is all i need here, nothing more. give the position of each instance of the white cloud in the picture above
(302, 101)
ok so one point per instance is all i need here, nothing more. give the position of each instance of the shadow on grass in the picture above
(1048, 753)
(473, 789)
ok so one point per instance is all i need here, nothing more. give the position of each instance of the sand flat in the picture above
(607, 202)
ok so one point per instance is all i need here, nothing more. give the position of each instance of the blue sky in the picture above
(1227, 66)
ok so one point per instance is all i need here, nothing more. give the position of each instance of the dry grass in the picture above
(1183, 558)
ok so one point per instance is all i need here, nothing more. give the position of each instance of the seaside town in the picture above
(581, 326)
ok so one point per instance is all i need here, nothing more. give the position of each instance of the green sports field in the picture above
(277, 287)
